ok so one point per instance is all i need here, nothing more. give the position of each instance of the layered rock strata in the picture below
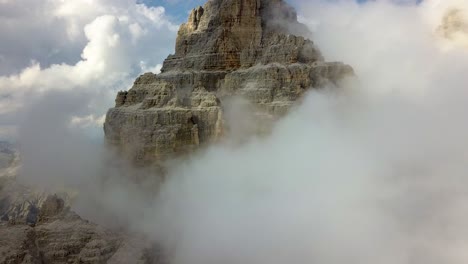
(228, 48)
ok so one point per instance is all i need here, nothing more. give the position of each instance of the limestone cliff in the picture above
(247, 48)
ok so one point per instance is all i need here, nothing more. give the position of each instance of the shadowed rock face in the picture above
(36, 227)
(229, 48)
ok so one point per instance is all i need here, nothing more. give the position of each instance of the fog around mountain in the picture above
(374, 172)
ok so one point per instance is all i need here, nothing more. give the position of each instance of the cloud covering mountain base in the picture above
(374, 172)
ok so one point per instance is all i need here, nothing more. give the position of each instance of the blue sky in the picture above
(178, 9)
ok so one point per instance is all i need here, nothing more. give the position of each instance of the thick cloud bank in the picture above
(374, 172)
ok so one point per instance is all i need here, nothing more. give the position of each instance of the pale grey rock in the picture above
(253, 49)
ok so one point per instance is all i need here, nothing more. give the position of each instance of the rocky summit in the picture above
(250, 49)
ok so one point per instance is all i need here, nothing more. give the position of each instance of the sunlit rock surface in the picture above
(252, 49)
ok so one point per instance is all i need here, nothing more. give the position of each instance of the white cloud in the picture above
(116, 40)
(372, 173)
(87, 121)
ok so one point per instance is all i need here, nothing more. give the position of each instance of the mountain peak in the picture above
(252, 49)
(235, 29)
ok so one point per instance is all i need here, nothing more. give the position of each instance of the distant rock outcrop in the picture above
(253, 49)
(39, 227)
(36, 227)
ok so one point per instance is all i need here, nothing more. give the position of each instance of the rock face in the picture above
(251, 49)
(40, 228)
